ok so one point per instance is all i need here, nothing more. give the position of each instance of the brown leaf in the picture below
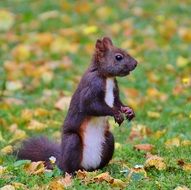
(103, 177)
(144, 147)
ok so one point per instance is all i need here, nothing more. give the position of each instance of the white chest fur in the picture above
(109, 96)
(93, 141)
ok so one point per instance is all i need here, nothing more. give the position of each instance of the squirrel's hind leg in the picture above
(71, 153)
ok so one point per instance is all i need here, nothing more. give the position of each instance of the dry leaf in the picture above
(8, 187)
(35, 167)
(41, 112)
(158, 134)
(119, 183)
(63, 103)
(2, 170)
(36, 125)
(6, 20)
(182, 61)
(156, 161)
(19, 186)
(61, 183)
(144, 147)
(139, 131)
(154, 115)
(173, 142)
(7, 150)
(14, 85)
(181, 188)
(103, 177)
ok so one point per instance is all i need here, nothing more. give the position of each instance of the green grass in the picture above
(149, 30)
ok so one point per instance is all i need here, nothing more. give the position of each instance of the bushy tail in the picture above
(38, 149)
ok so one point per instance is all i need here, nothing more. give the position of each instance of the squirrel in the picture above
(87, 143)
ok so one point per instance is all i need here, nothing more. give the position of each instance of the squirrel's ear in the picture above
(103, 45)
(99, 45)
(107, 42)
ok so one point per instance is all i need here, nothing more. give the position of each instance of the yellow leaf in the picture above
(104, 12)
(63, 103)
(119, 183)
(186, 167)
(117, 145)
(90, 30)
(18, 135)
(36, 125)
(158, 134)
(6, 20)
(8, 187)
(26, 114)
(152, 114)
(185, 34)
(7, 150)
(41, 112)
(156, 161)
(182, 61)
(44, 39)
(186, 143)
(172, 142)
(21, 52)
(35, 167)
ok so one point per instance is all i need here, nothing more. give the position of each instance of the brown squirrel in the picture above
(87, 142)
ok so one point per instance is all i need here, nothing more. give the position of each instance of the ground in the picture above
(45, 48)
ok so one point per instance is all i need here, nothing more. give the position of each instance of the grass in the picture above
(149, 30)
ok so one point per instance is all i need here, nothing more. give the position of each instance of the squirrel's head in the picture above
(112, 61)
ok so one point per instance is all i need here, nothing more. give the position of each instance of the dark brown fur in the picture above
(87, 101)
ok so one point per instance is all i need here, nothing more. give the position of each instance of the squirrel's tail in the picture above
(39, 149)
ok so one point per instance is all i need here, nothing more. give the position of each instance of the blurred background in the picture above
(45, 47)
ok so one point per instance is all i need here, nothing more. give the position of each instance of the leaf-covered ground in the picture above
(47, 45)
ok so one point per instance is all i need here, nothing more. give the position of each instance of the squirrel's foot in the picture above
(129, 113)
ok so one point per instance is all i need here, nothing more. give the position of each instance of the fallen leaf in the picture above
(35, 168)
(185, 166)
(185, 34)
(8, 187)
(14, 85)
(181, 188)
(7, 150)
(18, 185)
(2, 170)
(6, 20)
(61, 183)
(144, 147)
(173, 142)
(158, 134)
(153, 115)
(26, 115)
(63, 103)
(41, 112)
(139, 131)
(182, 61)
(119, 183)
(36, 125)
(137, 173)
(103, 177)
(155, 161)
(21, 52)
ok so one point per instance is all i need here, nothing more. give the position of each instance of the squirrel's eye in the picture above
(118, 57)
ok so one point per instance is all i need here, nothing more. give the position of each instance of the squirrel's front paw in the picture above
(118, 116)
(129, 113)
